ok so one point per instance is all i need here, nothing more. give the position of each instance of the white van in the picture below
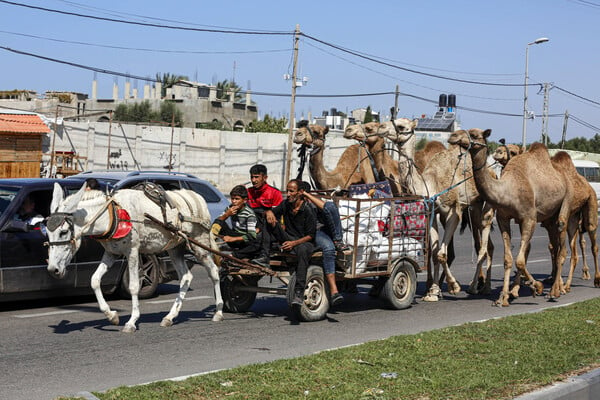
(590, 170)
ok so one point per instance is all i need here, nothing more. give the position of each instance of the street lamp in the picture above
(525, 112)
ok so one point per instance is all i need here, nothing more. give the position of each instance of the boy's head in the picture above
(239, 191)
(258, 175)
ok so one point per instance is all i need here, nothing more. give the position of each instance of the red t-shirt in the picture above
(264, 198)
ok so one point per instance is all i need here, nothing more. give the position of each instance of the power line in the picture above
(145, 49)
(122, 21)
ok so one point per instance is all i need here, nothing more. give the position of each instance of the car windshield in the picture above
(7, 194)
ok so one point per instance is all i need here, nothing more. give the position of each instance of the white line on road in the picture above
(46, 313)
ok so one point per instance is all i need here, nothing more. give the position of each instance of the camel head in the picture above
(363, 132)
(399, 130)
(505, 152)
(311, 135)
(472, 138)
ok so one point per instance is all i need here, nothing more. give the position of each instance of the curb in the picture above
(582, 387)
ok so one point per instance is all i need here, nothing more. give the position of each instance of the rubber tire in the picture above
(149, 272)
(316, 303)
(400, 288)
(237, 301)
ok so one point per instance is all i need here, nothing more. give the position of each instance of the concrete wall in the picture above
(222, 157)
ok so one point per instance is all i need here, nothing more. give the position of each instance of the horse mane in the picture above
(93, 197)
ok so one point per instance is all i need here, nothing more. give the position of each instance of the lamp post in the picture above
(525, 112)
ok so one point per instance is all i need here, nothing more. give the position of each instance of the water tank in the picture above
(452, 100)
(443, 102)
(333, 112)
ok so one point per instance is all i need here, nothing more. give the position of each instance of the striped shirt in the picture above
(244, 223)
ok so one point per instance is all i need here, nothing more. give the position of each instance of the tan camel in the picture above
(352, 167)
(446, 181)
(584, 217)
(371, 135)
(530, 190)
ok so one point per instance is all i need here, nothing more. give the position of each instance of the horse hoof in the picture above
(166, 322)
(218, 317)
(128, 329)
(454, 288)
(113, 317)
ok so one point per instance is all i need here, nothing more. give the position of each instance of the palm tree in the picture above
(225, 87)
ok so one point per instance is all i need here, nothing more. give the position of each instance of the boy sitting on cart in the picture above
(242, 236)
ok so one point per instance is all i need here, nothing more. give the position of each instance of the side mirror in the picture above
(16, 226)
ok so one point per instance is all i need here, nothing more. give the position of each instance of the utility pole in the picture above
(395, 111)
(564, 132)
(109, 136)
(288, 164)
(545, 116)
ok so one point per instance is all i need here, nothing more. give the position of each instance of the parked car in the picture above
(23, 264)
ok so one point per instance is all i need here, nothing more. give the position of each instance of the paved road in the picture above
(64, 347)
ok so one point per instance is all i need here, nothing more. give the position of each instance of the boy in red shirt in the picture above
(262, 197)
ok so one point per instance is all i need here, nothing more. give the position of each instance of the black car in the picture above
(23, 255)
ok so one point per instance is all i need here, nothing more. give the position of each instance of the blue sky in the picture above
(477, 41)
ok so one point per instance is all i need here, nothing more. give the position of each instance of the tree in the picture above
(368, 115)
(225, 87)
(167, 80)
(167, 109)
(142, 112)
(268, 124)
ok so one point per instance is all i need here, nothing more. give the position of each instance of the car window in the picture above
(7, 194)
(205, 191)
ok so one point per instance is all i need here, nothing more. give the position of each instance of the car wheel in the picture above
(234, 299)
(399, 290)
(316, 302)
(149, 274)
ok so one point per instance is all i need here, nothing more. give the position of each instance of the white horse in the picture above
(92, 213)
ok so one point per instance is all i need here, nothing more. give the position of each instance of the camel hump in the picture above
(562, 157)
(538, 147)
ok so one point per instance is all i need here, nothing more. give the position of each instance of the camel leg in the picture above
(585, 269)
(592, 234)
(527, 229)
(451, 224)
(558, 238)
(185, 278)
(504, 226)
(481, 283)
(107, 260)
(433, 292)
(134, 289)
(573, 231)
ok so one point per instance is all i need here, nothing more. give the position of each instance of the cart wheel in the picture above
(316, 302)
(149, 274)
(234, 300)
(399, 290)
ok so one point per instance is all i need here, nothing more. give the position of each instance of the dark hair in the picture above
(304, 186)
(258, 169)
(239, 190)
(92, 183)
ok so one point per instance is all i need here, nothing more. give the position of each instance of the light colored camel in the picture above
(584, 217)
(371, 135)
(530, 190)
(446, 181)
(352, 167)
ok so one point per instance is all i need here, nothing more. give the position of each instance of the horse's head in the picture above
(61, 228)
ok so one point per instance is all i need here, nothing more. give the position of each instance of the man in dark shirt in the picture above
(297, 235)
(262, 197)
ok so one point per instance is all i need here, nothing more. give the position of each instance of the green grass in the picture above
(496, 359)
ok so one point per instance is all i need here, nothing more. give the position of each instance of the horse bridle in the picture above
(55, 221)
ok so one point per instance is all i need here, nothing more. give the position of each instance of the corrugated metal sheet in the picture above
(25, 123)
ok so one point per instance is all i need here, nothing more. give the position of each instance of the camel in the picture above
(371, 135)
(584, 211)
(446, 181)
(583, 217)
(530, 190)
(352, 167)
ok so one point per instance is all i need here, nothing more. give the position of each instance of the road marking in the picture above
(46, 313)
(186, 299)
